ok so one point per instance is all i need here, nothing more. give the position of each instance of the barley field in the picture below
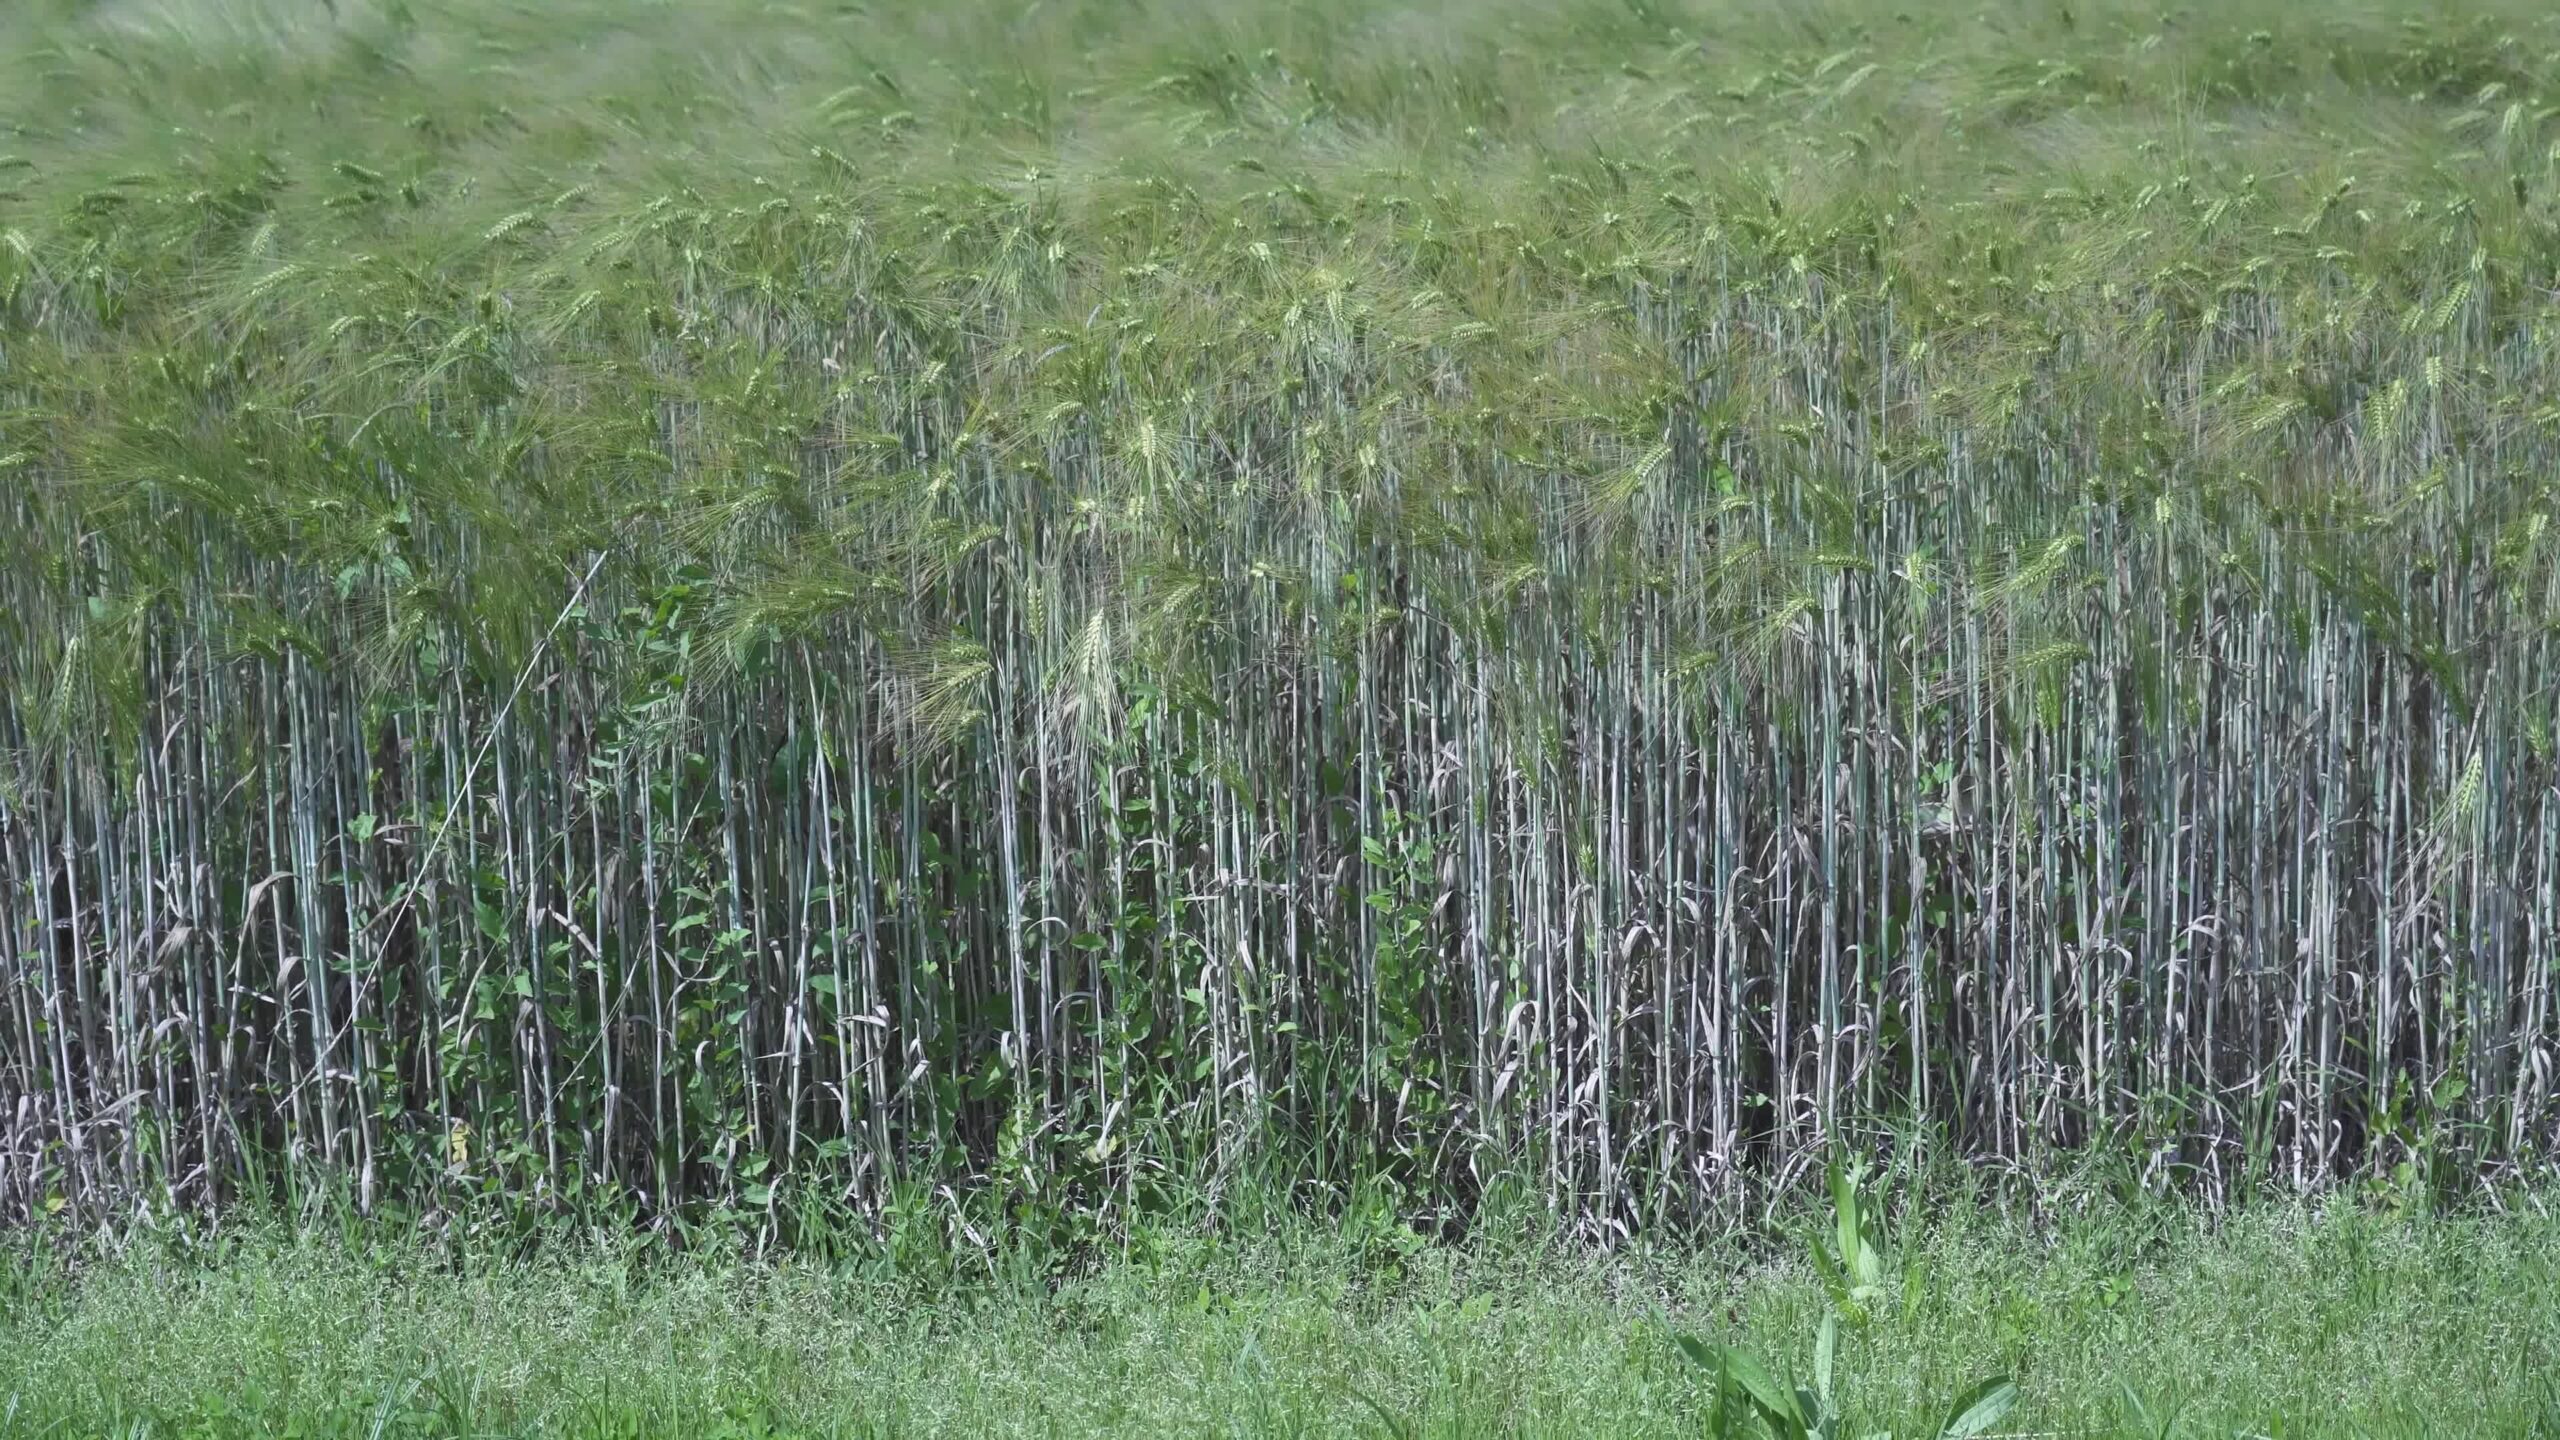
(754, 623)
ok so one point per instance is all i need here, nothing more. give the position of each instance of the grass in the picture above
(2288, 1320)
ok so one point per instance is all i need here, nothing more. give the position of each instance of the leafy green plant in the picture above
(1852, 1259)
(1749, 1399)
(1852, 1262)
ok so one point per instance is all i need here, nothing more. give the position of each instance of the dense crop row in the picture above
(746, 613)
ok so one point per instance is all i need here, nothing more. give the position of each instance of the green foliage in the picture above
(1851, 1263)
(1747, 1396)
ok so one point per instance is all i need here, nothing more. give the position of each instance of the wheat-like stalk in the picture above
(1384, 633)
